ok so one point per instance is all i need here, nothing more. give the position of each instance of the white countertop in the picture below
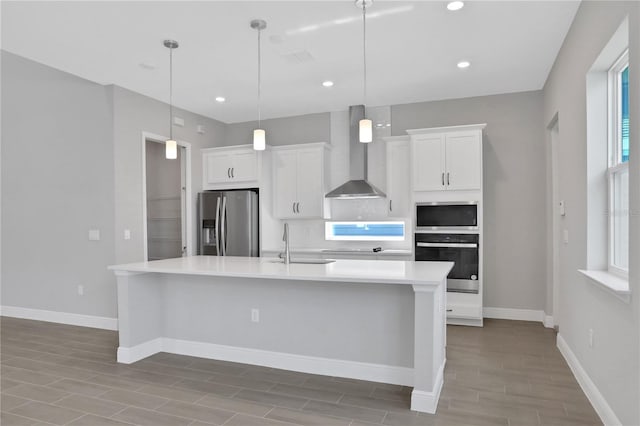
(363, 271)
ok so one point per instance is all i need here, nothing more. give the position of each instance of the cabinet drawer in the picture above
(463, 311)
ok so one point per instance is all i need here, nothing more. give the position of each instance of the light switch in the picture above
(127, 234)
(200, 129)
(94, 235)
(178, 121)
(561, 208)
(565, 236)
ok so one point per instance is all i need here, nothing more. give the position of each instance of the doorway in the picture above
(166, 211)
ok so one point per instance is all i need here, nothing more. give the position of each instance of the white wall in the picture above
(613, 363)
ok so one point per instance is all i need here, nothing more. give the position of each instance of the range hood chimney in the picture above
(357, 186)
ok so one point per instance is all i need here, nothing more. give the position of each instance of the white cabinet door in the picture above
(285, 164)
(463, 161)
(217, 167)
(299, 181)
(310, 187)
(245, 166)
(428, 162)
(398, 185)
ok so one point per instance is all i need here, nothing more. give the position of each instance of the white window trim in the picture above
(615, 155)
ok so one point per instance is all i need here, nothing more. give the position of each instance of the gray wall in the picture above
(283, 131)
(614, 361)
(514, 188)
(134, 114)
(73, 162)
(57, 169)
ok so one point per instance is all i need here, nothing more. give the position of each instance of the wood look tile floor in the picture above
(507, 373)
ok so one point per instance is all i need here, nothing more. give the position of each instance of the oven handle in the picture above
(446, 245)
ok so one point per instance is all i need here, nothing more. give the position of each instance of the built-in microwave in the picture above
(447, 215)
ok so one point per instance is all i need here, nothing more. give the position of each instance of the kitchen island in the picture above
(362, 319)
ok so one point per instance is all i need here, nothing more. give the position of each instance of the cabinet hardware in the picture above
(229, 172)
(293, 207)
(448, 179)
(233, 175)
(442, 178)
(297, 207)
(449, 310)
(390, 205)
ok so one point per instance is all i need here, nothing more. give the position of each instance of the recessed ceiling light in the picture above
(455, 5)
(220, 99)
(464, 64)
(327, 83)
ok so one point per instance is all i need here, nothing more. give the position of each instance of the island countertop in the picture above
(365, 271)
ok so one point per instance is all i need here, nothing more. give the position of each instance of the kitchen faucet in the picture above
(285, 238)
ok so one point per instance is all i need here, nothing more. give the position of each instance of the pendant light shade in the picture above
(259, 136)
(171, 149)
(171, 146)
(366, 130)
(366, 126)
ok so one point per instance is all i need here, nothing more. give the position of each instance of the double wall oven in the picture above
(448, 231)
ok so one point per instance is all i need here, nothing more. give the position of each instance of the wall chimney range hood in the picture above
(357, 186)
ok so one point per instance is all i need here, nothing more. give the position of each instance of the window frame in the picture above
(615, 164)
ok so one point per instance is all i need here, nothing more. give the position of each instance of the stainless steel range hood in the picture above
(357, 186)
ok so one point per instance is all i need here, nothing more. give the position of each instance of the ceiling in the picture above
(412, 50)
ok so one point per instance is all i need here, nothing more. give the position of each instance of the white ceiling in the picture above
(413, 48)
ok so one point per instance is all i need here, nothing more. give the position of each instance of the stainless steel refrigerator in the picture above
(228, 223)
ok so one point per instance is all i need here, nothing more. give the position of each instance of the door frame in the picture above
(553, 130)
(186, 205)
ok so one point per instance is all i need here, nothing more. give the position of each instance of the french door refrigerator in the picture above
(228, 223)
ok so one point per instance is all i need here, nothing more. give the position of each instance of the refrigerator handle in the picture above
(217, 226)
(223, 218)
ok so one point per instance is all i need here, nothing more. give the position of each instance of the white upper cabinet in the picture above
(398, 177)
(230, 167)
(300, 174)
(447, 158)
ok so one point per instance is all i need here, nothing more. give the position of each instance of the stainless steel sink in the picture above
(306, 261)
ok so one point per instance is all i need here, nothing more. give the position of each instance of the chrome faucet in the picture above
(285, 238)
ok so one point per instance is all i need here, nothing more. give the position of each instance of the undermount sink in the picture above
(306, 261)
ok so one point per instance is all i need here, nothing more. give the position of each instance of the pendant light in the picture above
(365, 125)
(259, 139)
(171, 146)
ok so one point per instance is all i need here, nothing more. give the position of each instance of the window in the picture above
(618, 168)
(364, 231)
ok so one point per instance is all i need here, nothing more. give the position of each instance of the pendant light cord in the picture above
(364, 48)
(259, 75)
(171, 93)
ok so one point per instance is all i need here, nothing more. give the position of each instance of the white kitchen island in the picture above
(381, 321)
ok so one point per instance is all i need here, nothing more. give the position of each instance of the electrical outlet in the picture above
(80, 290)
(255, 315)
(591, 337)
(565, 236)
(127, 234)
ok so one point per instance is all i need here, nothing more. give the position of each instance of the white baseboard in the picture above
(302, 363)
(590, 389)
(60, 317)
(427, 402)
(141, 351)
(548, 321)
(513, 314)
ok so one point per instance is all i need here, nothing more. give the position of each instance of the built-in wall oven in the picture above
(448, 231)
(462, 249)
